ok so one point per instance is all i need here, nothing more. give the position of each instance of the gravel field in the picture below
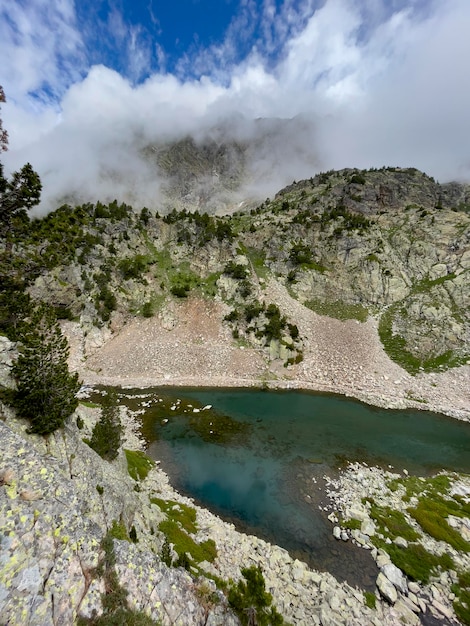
(186, 344)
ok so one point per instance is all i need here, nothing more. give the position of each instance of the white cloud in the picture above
(39, 45)
(375, 82)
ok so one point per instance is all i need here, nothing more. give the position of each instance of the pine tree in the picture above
(46, 391)
(20, 193)
(251, 602)
(107, 433)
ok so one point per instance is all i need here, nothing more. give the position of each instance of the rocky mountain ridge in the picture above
(390, 244)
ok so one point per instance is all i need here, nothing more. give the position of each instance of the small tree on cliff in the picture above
(107, 433)
(46, 391)
(251, 602)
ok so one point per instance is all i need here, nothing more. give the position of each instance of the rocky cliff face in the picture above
(391, 244)
(58, 501)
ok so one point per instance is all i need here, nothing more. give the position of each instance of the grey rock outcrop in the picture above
(54, 519)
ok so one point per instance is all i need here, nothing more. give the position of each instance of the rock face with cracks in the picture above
(53, 521)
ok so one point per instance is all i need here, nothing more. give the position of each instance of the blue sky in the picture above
(376, 82)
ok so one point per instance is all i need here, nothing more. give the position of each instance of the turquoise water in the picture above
(251, 458)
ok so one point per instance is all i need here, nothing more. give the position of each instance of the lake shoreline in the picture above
(375, 399)
(294, 594)
(188, 345)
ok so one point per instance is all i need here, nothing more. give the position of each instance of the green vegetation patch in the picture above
(133, 268)
(178, 512)
(392, 523)
(217, 428)
(338, 310)
(352, 523)
(396, 347)
(251, 602)
(462, 601)
(369, 599)
(431, 515)
(184, 544)
(416, 562)
(257, 258)
(90, 405)
(177, 528)
(118, 531)
(415, 486)
(138, 464)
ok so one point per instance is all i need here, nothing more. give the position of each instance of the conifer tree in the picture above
(107, 433)
(46, 391)
(21, 192)
(251, 602)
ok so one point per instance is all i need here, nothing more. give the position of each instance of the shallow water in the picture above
(252, 456)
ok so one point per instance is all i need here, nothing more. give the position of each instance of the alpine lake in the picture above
(258, 458)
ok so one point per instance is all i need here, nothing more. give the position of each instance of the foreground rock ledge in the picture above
(53, 519)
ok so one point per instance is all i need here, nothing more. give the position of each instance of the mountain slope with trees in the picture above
(390, 244)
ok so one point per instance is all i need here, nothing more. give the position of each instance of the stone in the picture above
(386, 589)
(382, 559)
(400, 542)
(395, 576)
(443, 610)
(337, 532)
(414, 587)
(406, 615)
(357, 511)
(368, 528)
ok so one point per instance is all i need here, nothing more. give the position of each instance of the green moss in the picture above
(416, 486)
(392, 523)
(352, 524)
(394, 344)
(338, 310)
(118, 531)
(462, 602)
(178, 512)
(217, 428)
(426, 284)
(209, 285)
(369, 599)
(416, 562)
(184, 544)
(138, 464)
(257, 259)
(431, 515)
(396, 347)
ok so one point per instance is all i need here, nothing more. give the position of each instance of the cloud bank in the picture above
(370, 83)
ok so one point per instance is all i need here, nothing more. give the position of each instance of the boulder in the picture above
(395, 576)
(368, 528)
(400, 542)
(386, 589)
